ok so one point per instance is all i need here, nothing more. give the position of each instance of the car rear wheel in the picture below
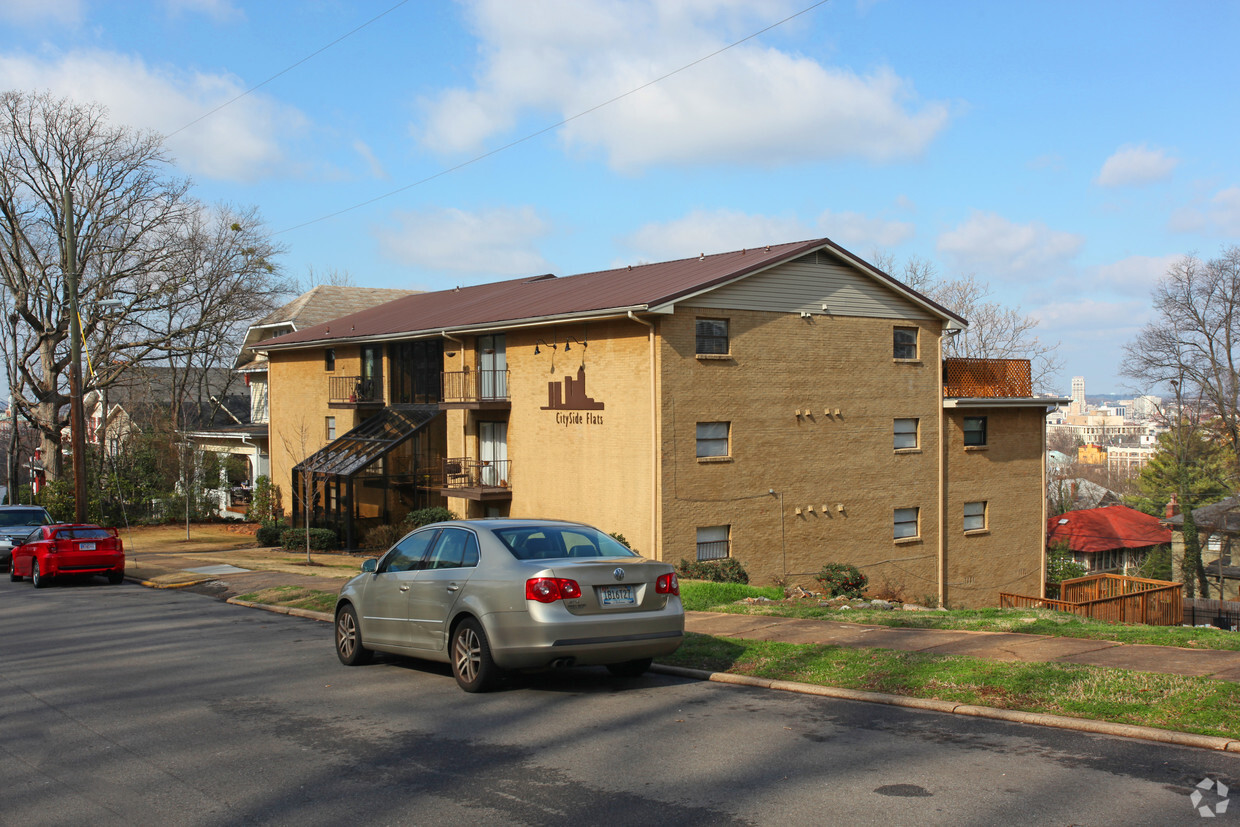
(36, 576)
(630, 668)
(115, 577)
(472, 664)
(349, 646)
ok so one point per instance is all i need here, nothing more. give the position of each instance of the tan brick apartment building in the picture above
(787, 406)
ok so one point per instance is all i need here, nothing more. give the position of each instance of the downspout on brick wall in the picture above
(656, 443)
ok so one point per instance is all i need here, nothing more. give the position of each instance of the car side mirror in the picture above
(370, 564)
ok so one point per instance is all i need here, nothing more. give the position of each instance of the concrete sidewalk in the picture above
(1001, 646)
(160, 570)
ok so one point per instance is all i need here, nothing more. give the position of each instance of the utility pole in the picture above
(77, 432)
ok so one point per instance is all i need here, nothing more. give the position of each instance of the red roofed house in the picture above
(1116, 538)
(787, 406)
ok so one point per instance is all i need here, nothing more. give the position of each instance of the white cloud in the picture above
(23, 12)
(372, 163)
(751, 104)
(1134, 165)
(1135, 275)
(1219, 216)
(491, 243)
(715, 231)
(854, 230)
(994, 247)
(240, 142)
(222, 11)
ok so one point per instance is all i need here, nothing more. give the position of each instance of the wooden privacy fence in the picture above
(1111, 597)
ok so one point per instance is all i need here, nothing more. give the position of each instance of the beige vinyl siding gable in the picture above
(806, 284)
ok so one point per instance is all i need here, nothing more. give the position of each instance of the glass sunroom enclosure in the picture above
(373, 475)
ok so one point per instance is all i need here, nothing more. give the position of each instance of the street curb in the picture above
(282, 610)
(1164, 736)
(1183, 739)
(151, 584)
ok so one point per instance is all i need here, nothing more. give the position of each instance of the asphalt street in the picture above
(125, 705)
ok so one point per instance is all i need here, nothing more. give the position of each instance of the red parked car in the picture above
(53, 550)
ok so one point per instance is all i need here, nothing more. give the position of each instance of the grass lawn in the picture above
(1182, 704)
(315, 600)
(720, 597)
(212, 543)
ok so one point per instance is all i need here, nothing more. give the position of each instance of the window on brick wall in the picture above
(905, 523)
(975, 430)
(712, 337)
(975, 516)
(905, 434)
(329, 359)
(712, 439)
(330, 427)
(904, 345)
(713, 542)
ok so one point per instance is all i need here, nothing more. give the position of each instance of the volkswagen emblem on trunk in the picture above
(618, 574)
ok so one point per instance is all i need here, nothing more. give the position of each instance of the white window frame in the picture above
(916, 343)
(902, 430)
(712, 442)
(330, 427)
(978, 513)
(906, 523)
(713, 535)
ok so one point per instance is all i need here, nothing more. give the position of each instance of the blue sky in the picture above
(1064, 152)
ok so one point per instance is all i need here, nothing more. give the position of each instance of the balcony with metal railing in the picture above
(475, 390)
(479, 480)
(987, 378)
(353, 392)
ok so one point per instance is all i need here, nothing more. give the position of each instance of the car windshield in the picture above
(10, 517)
(84, 533)
(551, 542)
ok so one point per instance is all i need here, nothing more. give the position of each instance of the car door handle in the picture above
(404, 588)
(452, 587)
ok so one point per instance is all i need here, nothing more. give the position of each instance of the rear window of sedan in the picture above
(549, 543)
(84, 533)
(10, 517)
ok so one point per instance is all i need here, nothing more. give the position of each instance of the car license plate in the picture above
(616, 596)
(86, 546)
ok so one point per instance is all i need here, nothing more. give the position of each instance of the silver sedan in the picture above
(491, 595)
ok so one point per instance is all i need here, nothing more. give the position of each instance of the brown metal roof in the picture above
(637, 287)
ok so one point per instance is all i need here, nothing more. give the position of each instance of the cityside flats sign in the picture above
(570, 402)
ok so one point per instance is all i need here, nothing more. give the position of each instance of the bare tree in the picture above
(995, 331)
(1195, 338)
(313, 278)
(179, 273)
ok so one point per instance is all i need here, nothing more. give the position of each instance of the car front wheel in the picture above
(36, 576)
(472, 665)
(349, 646)
(13, 575)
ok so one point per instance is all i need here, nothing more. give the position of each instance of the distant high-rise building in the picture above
(1078, 394)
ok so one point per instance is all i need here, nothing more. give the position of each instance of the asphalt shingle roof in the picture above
(540, 297)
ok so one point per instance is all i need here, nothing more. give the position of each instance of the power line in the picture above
(289, 68)
(553, 126)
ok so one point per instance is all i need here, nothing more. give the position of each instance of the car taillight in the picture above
(551, 589)
(51, 547)
(668, 584)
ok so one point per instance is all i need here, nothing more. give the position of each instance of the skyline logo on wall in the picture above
(568, 399)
